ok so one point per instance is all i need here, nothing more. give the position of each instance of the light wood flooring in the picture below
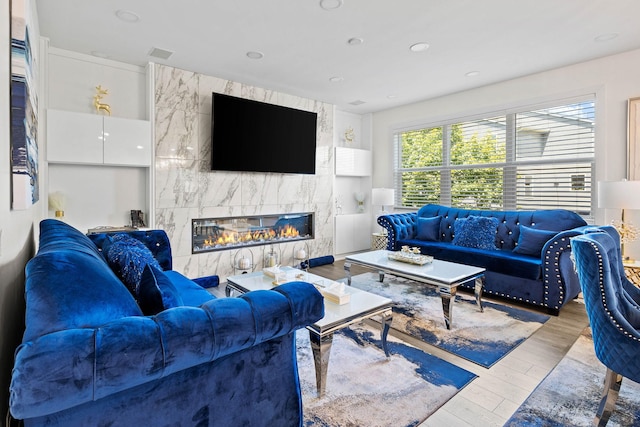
(493, 397)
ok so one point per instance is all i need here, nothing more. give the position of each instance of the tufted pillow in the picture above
(532, 240)
(429, 228)
(128, 257)
(156, 292)
(475, 232)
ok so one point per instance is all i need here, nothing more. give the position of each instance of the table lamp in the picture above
(621, 195)
(383, 197)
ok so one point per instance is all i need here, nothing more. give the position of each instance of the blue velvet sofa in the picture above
(526, 253)
(91, 357)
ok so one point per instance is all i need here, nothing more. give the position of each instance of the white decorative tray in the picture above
(411, 258)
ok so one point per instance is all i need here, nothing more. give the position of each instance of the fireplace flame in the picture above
(235, 237)
(289, 232)
(212, 234)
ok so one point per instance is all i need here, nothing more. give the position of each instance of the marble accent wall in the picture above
(186, 188)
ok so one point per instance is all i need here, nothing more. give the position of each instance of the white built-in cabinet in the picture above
(353, 169)
(352, 162)
(80, 138)
(353, 232)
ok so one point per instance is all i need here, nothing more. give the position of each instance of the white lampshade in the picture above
(619, 194)
(383, 196)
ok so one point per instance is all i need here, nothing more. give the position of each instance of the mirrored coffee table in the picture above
(362, 305)
(444, 275)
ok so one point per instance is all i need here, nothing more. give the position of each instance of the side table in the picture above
(379, 241)
(632, 270)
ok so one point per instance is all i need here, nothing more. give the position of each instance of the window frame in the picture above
(511, 162)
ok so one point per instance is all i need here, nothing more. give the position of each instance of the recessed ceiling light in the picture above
(127, 16)
(336, 79)
(472, 73)
(354, 41)
(255, 55)
(357, 102)
(606, 37)
(330, 4)
(392, 96)
(419, 47)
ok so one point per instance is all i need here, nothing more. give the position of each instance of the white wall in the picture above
(613, 79)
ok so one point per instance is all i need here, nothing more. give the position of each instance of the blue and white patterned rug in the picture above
(481, 337)
(365, 388)
(570, 394)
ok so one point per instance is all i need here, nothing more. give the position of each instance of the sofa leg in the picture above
(553, 311)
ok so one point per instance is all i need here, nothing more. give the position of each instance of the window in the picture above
(522, 159)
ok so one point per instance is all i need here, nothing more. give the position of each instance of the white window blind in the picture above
(541, 158)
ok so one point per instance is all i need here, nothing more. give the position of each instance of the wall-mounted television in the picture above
(253, 136)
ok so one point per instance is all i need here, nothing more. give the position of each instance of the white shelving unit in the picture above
(353, 170)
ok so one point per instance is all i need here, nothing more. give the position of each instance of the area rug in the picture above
(481, 337)
(570, 394)
(365, 388)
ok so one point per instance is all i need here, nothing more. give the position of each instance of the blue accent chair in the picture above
(613, 308)
(91, 357)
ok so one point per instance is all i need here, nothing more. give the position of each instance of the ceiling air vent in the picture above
(156, 52)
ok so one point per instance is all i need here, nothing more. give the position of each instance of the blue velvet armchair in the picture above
(91, 356)
(613, 308)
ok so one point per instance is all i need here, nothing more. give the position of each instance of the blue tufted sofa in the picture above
(542, 275)
(89, 357)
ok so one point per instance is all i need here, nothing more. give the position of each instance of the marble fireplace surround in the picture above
(185, 188)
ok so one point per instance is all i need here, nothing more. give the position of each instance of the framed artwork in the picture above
(24, 111)
(633, 139)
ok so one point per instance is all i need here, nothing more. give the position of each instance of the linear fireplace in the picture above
(216, 234)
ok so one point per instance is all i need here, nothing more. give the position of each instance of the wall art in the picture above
(24, 110)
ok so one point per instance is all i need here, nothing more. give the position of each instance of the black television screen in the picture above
(253, 136)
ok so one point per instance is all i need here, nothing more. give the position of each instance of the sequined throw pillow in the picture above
(476, 232)
(128, 257)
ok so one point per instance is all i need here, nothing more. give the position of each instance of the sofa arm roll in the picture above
(258, 316)
(399, 226)
(55, 371)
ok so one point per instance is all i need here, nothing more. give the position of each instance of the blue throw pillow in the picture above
(475, 232)
(156, 292)
(128, 257)
(429, 229)
(532, 240)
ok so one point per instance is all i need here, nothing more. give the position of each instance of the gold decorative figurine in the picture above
(98, 97)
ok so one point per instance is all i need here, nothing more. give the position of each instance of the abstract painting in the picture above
(24, 111)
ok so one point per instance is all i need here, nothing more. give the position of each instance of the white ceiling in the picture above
(305, 45)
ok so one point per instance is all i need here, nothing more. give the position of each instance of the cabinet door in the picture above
(343, 233)
(353, 233)
(352, 162)
(127, 142)
(362, 233)
(74, 137)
